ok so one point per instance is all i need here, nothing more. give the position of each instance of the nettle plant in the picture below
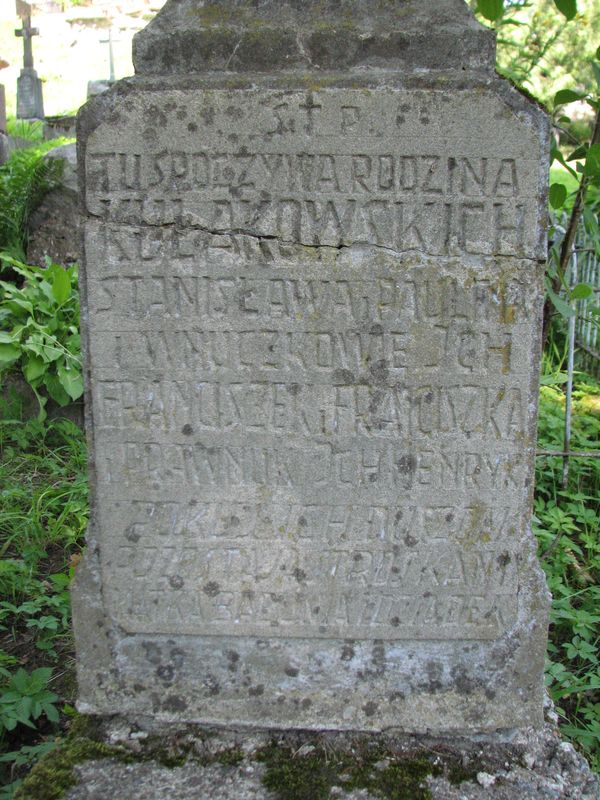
(39, 330)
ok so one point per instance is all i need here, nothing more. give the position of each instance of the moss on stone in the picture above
(54, 774)
(385, 774)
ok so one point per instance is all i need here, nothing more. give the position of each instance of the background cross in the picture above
(26, 33)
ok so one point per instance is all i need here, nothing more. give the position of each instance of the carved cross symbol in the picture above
(26, 33)
(310, 107)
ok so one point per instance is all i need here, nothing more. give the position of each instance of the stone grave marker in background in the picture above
(30, 101)
(314, 248)
(3, 135)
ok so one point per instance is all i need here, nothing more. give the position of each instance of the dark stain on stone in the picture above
(299, 574)
(208, 115)
(395, 621)
(234, 112)
(177, 656)
(343, 376)
(463, 682)
(131, 535)
(379, 372)
(449, 517)
(291, 671)
(435, 673)
(302, 523)
(410, 541)
(503, 559)
(406, 465)
(192, 127)
(357, 557)
(152, 651)
(174, 703)
(187, 430)
(211, 589)
(294, 389)
(233, 659)
(181, 113)
(233, 521)
(306, 703)
(150, 136)
(370, 708)
(166, 673)
(394, 696)
(176, 582)
(378, 658)
(256, 691)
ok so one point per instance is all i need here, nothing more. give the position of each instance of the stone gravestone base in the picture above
(536, 765)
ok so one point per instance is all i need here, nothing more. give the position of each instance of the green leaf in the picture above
(491, 9)
(581, 292)
(567, 96)
(554, 380)
(55, 390)
(34, 368)
(567, 7)
(559, 304)
(557, 195)
(9, 353)
(580, 152)
(71, 381)
(61, 284)
(592, 162)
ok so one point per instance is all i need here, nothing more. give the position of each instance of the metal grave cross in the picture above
(111, 55)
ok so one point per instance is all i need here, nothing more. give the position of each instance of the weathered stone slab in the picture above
(313, 305)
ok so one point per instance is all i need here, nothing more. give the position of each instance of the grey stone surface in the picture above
(538, 767)
(193, 36)
(55, 228)
(99, 780)
(312, 309)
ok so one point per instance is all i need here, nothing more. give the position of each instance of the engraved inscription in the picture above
(311, 338)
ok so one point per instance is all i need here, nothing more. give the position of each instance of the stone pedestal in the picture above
(314, 249)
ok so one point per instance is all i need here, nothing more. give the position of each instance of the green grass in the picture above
(567, 523)
(43, 516)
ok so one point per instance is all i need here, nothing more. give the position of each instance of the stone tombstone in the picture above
(314, 248)
(2, 109)
(30, 101)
